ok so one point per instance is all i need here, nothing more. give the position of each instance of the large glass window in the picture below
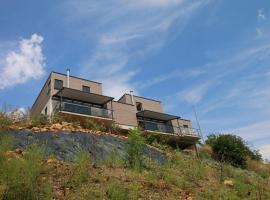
(85, 88)
(58, 84)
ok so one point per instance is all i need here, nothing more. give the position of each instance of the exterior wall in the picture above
(75, 83)
(124, 114)
(182, 122)
(126, 98)
(42, 100)
(147, 104)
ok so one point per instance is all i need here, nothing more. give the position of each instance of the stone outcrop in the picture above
(64, 145)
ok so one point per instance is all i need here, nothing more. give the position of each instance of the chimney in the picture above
(68, 71)
(132, 99)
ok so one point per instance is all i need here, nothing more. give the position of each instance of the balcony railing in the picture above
(152, 126)
(85, 110)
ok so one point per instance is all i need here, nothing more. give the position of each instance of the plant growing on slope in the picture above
(231, 148)
(134, 148)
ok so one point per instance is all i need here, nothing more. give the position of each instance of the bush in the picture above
(92, 125)
(230, 148)
(40, 120)
(114, 159)
(20, 176)
(117, 192)
(57, 118)
(134, 148)
(81, 174)
(5, 121)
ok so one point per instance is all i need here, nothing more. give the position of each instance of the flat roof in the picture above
(139, 97)
(83, 96)
(75, 77)
(157, 115)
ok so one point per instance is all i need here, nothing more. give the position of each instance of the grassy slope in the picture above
(181, 177)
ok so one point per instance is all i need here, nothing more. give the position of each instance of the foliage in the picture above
(20, 176)
(5, 121)
(81, 174)
(57, 118)
(40, 120)
(114, 159)
(117, 192)
(230, 148)
(134, 149)
(92, 125)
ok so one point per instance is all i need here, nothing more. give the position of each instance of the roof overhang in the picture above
(83, 96)
(156, 115)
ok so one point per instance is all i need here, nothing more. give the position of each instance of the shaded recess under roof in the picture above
(156, 115)
(83, 96)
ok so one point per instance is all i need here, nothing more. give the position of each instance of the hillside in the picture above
(59, 161)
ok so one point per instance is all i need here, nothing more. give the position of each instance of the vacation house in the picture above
(81, 98)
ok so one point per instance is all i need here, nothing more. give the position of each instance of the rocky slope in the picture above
(64, 145)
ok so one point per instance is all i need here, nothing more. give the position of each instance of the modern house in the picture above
(80, 98)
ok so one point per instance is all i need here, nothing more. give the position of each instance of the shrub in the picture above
(115, 128)
(230, 148)
(117, 192)
(57, 118)
(40, 120)
(114, 159)
(5, 121)
(6, 144)
(81, 174)
(206, 151)
(134, 148)
(92, 125)
(21, 177)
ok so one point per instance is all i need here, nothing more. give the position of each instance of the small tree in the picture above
(134, 148)
(231, 148)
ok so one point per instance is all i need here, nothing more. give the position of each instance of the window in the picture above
(185, 126)
(58, 84)
(139, 106)
(85, 88)
(46, 111)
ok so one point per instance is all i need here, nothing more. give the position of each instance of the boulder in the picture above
(228, 183)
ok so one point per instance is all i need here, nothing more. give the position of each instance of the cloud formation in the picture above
(23, 64)
(125, 31)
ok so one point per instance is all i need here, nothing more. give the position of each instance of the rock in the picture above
(52, 161)
(18, 151)
(12, 154)
(56, 126)
(189, 198)
(35, 129)
(228, 183)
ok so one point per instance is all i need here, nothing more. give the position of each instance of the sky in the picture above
(211, 55)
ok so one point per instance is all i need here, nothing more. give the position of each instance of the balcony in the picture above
(159, 127)
(84, 110)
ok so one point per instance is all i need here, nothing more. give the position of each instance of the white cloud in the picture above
(260, 15)
(22, 64)
(126, 30)
(194, 94)
(265, 151)
(256, 132)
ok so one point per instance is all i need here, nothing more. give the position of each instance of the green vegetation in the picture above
(5, 121)
(27, 175)
(40, 120)
(134, 149)
(92, 125)
(81, 174)
(19, 176)
(232, 149)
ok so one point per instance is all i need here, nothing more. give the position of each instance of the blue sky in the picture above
(211, 54)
